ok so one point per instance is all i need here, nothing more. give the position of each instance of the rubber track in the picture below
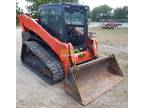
(49, 61)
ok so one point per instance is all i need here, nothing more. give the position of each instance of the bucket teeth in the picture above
(92, 79)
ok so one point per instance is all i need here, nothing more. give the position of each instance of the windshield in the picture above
(74, 17)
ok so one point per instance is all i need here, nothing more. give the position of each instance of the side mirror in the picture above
(92, 34)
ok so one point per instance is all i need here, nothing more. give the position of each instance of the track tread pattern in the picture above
(47, 58)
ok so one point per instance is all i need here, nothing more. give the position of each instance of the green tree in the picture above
(18, 12)
(35, 3)
(121, 13)
(101, 12)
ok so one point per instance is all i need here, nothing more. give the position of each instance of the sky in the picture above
(90, 3)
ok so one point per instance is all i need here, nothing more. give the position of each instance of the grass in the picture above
(111, 37)
(114, 38)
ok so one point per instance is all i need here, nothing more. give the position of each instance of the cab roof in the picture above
(64, 4)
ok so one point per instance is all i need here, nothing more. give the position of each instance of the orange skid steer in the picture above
(57, 46)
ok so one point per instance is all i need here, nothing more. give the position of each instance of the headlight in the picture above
(67, 6)
(86, 8)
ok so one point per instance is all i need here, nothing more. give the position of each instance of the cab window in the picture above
(51, 18)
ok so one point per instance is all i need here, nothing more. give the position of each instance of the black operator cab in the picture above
(67, 22)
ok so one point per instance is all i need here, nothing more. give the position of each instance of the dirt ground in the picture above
(33, 92)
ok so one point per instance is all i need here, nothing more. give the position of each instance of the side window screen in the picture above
(43, 13)
(51, 18)
(43, 16)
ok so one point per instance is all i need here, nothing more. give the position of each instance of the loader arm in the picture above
(28, 23)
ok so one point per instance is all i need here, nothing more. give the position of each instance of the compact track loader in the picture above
(57, 46)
